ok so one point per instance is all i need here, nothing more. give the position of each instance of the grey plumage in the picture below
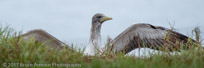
(94, 45)
(42, 36)
(146, 35)
(136, 36)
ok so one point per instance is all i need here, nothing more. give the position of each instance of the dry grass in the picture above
(15, 52)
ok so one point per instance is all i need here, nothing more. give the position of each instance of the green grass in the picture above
(14, 52)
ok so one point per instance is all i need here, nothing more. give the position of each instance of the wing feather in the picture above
(146, 35)
(42, 36)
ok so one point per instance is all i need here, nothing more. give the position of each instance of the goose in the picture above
(41, 36)
(139, 35)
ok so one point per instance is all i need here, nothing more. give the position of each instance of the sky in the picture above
(70, 20)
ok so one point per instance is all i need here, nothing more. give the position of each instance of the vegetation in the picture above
(15, 52)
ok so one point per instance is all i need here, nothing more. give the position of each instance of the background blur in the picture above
(70, 20)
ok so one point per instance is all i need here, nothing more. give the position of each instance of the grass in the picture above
(14, 52)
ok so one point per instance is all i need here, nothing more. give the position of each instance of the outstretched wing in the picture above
(146, 35)
(42, 36)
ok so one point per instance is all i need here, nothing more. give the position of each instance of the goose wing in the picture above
(146, 35)
(42, 36)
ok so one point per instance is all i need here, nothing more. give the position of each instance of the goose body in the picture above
(136, 36)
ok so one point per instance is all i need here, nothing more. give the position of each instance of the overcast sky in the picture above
(70, 20)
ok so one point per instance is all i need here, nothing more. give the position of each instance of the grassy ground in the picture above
(15, 52)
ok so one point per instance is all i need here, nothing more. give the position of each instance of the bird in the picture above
(136, 36)
(139, 35)
(94, 45)
(41, 36)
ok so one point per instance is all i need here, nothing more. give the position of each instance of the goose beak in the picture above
(105, 18)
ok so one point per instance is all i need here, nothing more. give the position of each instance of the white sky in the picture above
(70, 20)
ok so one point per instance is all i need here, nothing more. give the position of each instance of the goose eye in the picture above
(99, 17)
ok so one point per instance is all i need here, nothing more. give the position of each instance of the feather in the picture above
(146, 35)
